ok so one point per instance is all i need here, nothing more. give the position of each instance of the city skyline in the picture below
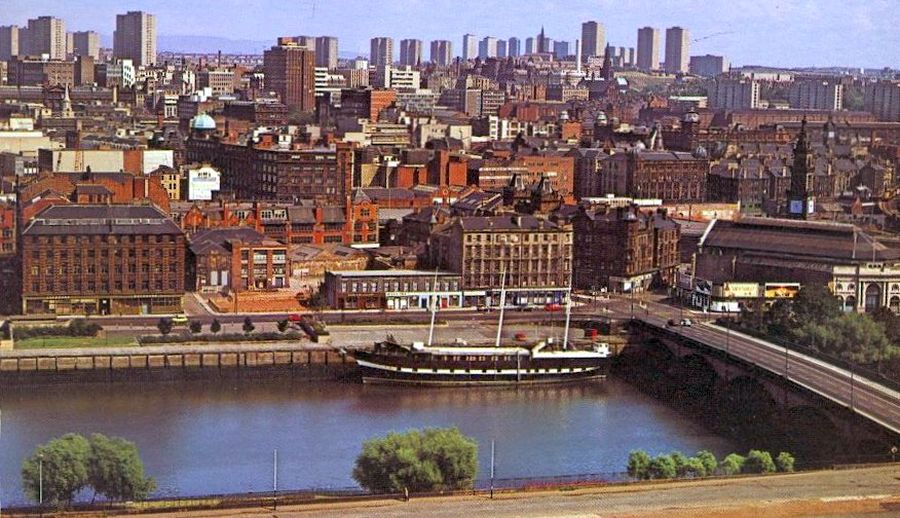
(781, 35)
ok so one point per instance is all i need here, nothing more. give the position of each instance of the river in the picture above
(218, 436)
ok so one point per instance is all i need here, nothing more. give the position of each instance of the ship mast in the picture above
(568, 313)
(502, 304)
(433, 299)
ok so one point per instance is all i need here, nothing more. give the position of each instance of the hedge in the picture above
(268, 336)
(75, 328)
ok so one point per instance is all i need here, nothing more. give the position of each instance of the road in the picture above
(872, 492)
(867, 398)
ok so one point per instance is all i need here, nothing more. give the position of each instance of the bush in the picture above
(785, 462)
(282, 325)
(758, 462)
(164, 325)
(195, 326)
(679, 460)
(430, 460)
(732, 464)
(662, 467)
(216, 326)
(710, 464)
(638, 465)
(268, 336)
(77, 327)
(693, 468)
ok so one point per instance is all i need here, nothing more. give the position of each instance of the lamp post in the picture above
(41, 482)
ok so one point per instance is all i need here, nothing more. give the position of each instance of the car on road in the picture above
(553, 307)
(294, 318)
(672, 322)
(686, 322)
(180, 319)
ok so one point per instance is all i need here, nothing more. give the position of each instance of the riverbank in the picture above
(873, 491)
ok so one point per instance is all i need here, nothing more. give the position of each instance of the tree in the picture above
(758, 462)
(890, 322)
(815, 303)
(679, 460)
(638, 465)
(248, 325)
(62, 465)
(779, 318)
(195, 326)
(115, 469)
(282, 325)
(732, 464)
(785, 462)
(708, 459)
(165, 326)
(662, 467)
(215, 326)
(428, 460)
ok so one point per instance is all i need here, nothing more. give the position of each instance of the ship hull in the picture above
(375, 370)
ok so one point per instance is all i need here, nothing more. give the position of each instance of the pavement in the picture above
(867, 492)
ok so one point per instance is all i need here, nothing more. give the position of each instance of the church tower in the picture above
(801, 202)
(608, 73)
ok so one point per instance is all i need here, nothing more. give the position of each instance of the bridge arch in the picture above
(696, 383)
(812, 436)
(747, 411)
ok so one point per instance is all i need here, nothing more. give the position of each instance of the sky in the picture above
(785, 33)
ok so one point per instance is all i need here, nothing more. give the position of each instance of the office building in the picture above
(593, 40)
(290, 71)
(381, 52)
(882, 99)
(648, 48)
(9, 42)
(514, 47)
(816, 95)
(410, 52)
(86, 43)
(487, 48)
(560, 49)
(45, 35)
(470, 47)
(442, 52)
(708, 65)
(327, 52)
(734, 94)
(677, 50)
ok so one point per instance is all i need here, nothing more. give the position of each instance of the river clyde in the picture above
(218, 436)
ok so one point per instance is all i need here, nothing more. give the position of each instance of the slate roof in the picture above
(101, 220)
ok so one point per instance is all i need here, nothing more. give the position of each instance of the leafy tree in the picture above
(890, 322)
(282, 325)
(115, 469)
(195, 326)
(679, 460)
(662, 467)
(815, 303)
(693, 468)
(732, 464)
(779, 318)
(215, 326)
(428, 460)
(165, 326)
(638, 465)
(860, 339)
(63, 464)
(785, 462)
(248, 325)
(708, 459)
(758, 462)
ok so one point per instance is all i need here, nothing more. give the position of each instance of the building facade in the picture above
(441, 52)
(135, 38)
(392, 289)
(678, 44)
(593, 40)
(708, 65)
(381, 52)
(816, 95)
(734, 94)
(327, 52)
(648, 48)
(102, 259)
(291, 72)
(410, 52)
(237, 259)
(535, 254)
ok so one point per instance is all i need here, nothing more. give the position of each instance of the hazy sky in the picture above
(771, 32)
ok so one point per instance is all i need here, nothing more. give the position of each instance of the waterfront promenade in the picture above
(869, 492)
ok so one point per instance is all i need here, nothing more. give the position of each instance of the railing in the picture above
(868, 373)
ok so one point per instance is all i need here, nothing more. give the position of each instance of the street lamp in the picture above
(41, 481)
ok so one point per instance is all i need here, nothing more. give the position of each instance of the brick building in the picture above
(102, 259)
(236, 259)
(291, 72)
(263, 172)
(366, 103)
(536, 255)
(624, 248)
(391, 289)
(671, 176)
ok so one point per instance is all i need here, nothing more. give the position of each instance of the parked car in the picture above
(294, 318)
(180, 319)
(553, 307)
(672, 322)
(686, 322)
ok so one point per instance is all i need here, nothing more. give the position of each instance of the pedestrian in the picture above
(405, 494)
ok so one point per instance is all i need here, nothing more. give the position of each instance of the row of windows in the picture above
(53, 285)
(106, 238)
